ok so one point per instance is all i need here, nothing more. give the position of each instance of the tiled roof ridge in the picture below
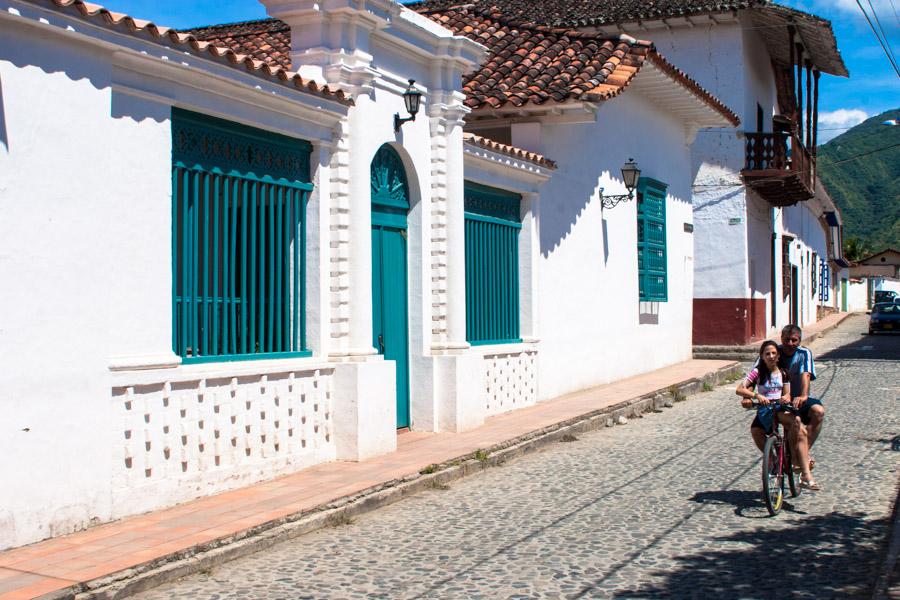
(267, 24)
(513, 151)
(645, 11)
(660, 61)
(501, 18)
(135, 26)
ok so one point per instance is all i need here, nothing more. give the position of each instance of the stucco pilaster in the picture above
(448, 227)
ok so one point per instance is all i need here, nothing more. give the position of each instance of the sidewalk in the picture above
(748, 352)
(145, 550)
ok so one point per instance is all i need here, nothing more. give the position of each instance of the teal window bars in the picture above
(651, 235)
(238, 243)
(492, 224)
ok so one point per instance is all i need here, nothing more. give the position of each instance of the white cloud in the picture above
(834, 123)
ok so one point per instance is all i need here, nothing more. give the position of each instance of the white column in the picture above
(456, 238)
(359, 233)
(529, 261)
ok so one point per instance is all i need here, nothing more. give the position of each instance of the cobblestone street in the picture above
(667, 506)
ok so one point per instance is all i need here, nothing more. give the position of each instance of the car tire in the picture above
(871, 332)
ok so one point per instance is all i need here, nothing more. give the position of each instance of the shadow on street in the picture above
(881, 346)
(772, 563)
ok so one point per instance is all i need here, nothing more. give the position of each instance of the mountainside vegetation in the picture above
(861, 169)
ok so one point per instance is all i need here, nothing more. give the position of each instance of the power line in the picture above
(883, 47)
(880, 28)
(893, 8)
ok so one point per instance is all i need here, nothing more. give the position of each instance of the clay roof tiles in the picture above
(768, 17)
(222, 52)
(525, 65)
(505, 149)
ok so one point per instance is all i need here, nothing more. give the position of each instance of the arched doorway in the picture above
(390, 205)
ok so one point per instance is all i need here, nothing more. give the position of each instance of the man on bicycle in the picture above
(797, 361)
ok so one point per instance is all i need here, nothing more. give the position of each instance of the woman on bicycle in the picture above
(768, 384)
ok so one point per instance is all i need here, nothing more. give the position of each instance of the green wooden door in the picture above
(844, 295)
(390, 322)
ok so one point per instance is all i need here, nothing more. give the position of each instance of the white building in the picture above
(222, 270)
(752, 188)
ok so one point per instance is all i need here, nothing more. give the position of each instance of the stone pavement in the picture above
(141, 551)
(668, 506)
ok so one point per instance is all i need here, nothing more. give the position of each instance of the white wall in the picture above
(857, 295)
(101, 421)
(592, 327)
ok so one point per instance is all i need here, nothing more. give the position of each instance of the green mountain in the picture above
(861, 169)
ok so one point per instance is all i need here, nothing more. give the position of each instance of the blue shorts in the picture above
(804, 410)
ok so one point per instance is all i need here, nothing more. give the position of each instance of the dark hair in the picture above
(790, 330)
(762, 367)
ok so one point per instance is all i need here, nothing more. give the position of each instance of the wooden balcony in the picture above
(779, 168)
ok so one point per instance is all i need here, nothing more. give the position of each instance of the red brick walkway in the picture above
(58, 563)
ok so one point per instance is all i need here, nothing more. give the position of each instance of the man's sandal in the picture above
(810, 485)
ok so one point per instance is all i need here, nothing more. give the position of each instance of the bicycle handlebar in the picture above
(775, 405)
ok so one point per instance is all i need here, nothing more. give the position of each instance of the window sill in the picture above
(511, 347)
(191, 371)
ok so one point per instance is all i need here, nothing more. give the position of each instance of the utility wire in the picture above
(883, 47)
(894, 8)
(883, 34)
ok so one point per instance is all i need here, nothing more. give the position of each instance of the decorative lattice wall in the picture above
(511, 381)
(224, 431)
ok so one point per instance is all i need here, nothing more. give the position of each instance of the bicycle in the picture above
(777, 466)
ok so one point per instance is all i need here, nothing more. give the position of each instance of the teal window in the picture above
(238, 245)
(651, 234)
(492, 222)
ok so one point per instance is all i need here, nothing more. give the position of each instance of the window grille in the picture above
(825, 276)
(238, 242)
(786, 266)
(492, 225)
(651, 236)
(814, 272)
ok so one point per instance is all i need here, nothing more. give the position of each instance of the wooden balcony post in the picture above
(809, 103)
(799, 91)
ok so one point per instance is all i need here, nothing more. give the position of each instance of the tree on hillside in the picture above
(855, 249)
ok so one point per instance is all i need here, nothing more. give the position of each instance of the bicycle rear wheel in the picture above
(772, 476)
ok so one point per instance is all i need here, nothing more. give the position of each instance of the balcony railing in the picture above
(773, 157)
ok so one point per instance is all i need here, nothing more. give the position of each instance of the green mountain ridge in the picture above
(861, 170)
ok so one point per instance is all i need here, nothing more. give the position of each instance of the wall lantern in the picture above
(411, 98)
(630, 175)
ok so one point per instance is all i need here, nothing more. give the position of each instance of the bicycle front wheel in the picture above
(772, 476)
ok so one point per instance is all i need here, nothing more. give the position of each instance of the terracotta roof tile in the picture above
(535, 64)
(540, 64)
(224, 53)
(487, 144)
(585, 13)
(768, 17)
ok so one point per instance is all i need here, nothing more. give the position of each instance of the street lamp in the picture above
(630, 175)
(411, 99)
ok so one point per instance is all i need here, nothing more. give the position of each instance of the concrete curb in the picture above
(748, 352)
(889, 575)
(341, 511)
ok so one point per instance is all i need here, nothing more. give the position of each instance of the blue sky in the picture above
(873, 86)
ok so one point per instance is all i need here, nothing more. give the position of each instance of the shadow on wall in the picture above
(94, 67)
(572, 187)
(757, 563)
(4, 138)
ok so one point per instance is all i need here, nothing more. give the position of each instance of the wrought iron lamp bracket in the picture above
(612, 201)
